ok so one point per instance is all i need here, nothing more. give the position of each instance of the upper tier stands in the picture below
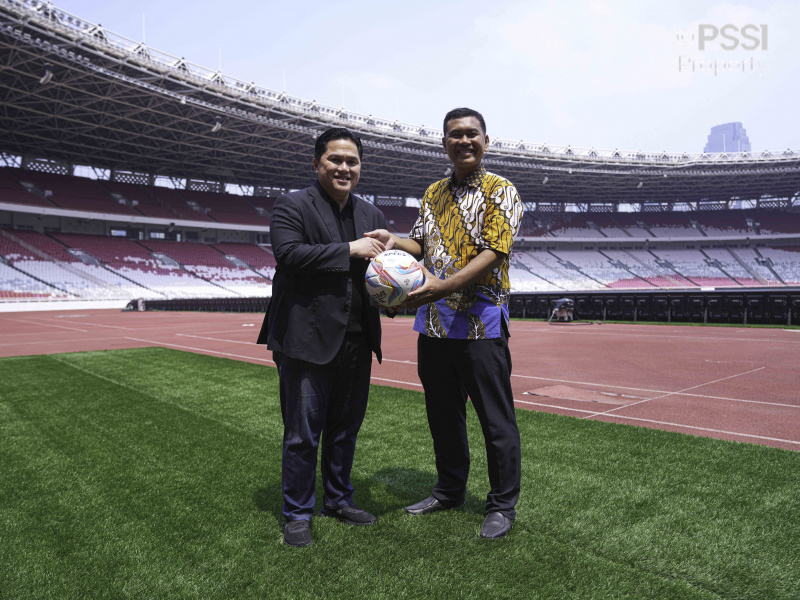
(226, 208)
(74, 193)
(143, 202)
(773, 221)
(569, 225)
(606, 225)
(722, 223)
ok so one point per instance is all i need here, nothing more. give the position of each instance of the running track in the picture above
(730, 383)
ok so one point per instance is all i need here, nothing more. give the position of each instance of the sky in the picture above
(627, 75)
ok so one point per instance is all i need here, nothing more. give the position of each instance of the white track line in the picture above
(687, 338)
(48, 325)
(551, 406)
(623, 387)
(91, 339)
(95, 325)
(674, 393)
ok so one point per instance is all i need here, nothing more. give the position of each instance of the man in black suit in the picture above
(323, 327)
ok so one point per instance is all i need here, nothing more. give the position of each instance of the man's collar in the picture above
(330, 200)
(473, 180)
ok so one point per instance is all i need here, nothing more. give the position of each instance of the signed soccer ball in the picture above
(391, 276)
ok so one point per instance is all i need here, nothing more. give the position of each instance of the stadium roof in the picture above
(79, 93)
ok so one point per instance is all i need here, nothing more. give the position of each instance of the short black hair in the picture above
(460, 113)
(336, 133)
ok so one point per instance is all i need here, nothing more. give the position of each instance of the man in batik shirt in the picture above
(464, 233)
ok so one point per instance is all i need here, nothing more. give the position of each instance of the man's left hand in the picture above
(432, 290)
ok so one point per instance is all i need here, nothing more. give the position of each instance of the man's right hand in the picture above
(366, 248)
(383, 236)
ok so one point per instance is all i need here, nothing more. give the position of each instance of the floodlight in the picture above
(48, 74)
(545, 179)
(640, 185)
(217, 125)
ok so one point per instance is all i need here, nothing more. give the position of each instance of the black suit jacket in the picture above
(311, 294)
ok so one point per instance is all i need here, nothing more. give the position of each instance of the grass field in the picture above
(153, 473)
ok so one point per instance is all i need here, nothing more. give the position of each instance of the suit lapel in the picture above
(324, 210)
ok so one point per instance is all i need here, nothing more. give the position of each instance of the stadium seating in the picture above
(226, 208)
(257, 258)
(75, 193)
(210, 266)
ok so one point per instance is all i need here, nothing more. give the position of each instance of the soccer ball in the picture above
(393, 275)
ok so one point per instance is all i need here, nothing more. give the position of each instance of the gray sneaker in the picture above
(297, 533)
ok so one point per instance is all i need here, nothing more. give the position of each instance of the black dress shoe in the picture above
(496, 525)
(429, 505)
(352, 515)
(297, 533)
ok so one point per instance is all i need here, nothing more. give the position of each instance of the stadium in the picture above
(134, 179)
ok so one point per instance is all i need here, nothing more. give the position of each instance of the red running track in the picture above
(731, 383)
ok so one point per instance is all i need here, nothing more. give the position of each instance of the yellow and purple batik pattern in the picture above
(456, 223)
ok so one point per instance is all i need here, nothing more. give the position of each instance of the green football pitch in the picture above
(153, 473)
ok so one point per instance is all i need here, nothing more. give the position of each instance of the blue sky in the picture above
(603, 74)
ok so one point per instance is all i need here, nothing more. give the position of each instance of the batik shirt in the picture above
(457, 221)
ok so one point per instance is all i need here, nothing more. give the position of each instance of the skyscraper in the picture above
(729, 137)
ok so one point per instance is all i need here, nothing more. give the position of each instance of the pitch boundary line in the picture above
(201, 350)
(200, 337)
(749, 435)
(722, 431)
(664, 393)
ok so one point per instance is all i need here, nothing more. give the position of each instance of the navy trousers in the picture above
(328, 403)
(450, 371)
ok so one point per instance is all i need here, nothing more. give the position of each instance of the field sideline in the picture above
(154, 473)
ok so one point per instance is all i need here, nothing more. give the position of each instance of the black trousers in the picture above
(450, 371)
(328, 402)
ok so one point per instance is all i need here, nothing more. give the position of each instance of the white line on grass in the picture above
(201, 350)
(749, 435)
(205, 351)
(395, 381)
(200, 337)
(674, 393)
